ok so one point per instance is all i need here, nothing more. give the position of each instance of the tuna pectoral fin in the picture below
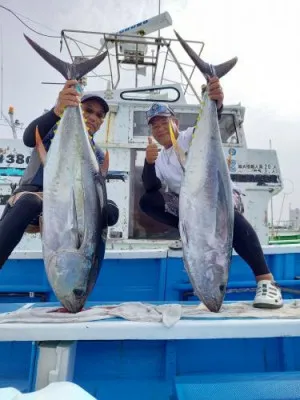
(184, 234)
(102, 197)
(75, 237)
(207, 69)
(222, 214)
(178, 150)
(39, 145)
(69, 71)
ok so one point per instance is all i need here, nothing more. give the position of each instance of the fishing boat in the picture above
(143, 336)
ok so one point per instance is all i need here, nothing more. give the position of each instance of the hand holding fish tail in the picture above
(215, 91)
(151, 151)
(68, 96)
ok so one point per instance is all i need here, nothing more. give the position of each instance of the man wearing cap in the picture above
(24, 207)
(164, 167)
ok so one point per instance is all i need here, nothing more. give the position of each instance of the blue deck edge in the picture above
(151, 369)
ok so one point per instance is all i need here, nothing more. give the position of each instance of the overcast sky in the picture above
(263, 34)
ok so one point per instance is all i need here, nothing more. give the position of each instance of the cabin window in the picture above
(140, 126)
(228, 129)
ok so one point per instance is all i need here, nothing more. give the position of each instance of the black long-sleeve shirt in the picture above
(45, 122)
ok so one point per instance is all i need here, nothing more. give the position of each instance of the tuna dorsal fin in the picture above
(178, 150)
(69, 71)
(74, 223)
(39, 145)
(207, 69)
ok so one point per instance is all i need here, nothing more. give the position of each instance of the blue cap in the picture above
(97, 98)
(159, 110)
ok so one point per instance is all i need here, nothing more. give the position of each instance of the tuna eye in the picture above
(222, 288)
(78, 292)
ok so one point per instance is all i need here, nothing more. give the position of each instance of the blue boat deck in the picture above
(114, 359)
(263, 386)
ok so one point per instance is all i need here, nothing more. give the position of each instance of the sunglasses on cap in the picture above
(161, 110)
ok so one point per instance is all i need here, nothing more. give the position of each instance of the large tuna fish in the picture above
(206, 212)
(74, 228)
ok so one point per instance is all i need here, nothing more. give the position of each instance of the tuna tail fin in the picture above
(207, 69)
(105, 165)
(69, 71)
(39, 145)
(178, 150)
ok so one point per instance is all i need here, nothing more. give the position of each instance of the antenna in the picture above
(140, 29)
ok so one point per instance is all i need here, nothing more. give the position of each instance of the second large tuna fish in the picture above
(74, 227)
(206, 211)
